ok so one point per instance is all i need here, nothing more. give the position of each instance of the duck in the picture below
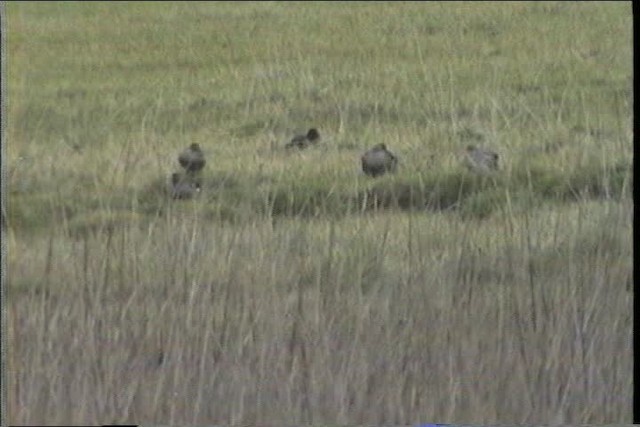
(303, 141)
(192, 159)
(183, 187)
(378, 161)
(481, 160)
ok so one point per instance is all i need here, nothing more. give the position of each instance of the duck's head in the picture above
(313, 134)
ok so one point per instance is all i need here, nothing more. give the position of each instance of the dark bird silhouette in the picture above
(480, 160)
(303, 141)
(183, 187)
(192, 159)
(378, 161)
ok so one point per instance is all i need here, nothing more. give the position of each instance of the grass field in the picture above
(295, 289)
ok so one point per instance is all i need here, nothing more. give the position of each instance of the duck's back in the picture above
(192, 160)
(377, 162)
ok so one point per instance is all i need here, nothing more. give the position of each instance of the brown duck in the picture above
(303, 141)
(192, 159)
(378, 161)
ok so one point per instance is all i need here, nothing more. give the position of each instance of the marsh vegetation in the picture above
(294, 288)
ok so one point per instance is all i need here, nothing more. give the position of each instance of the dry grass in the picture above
(378, 319)
(296, 290)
